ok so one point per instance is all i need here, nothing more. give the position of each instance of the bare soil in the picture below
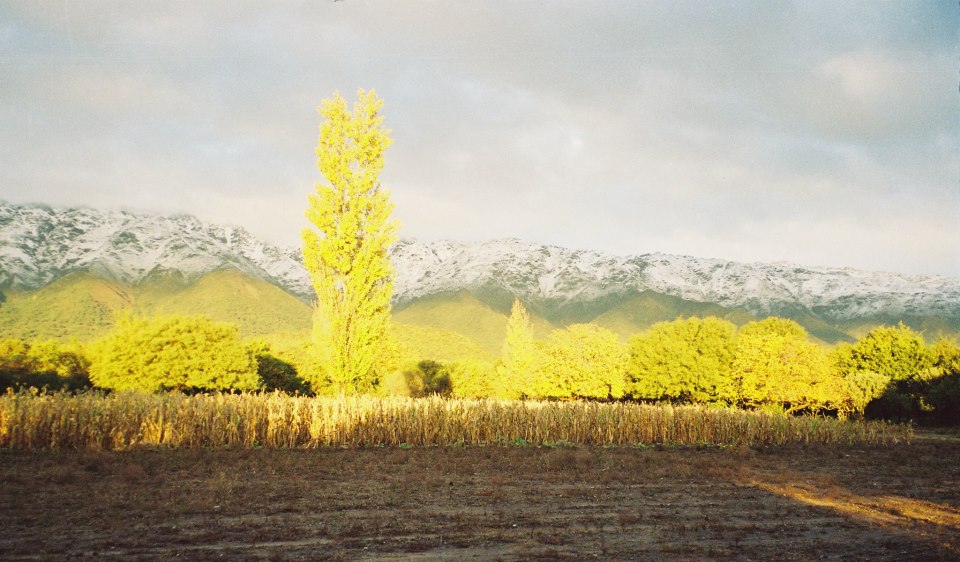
(486, 503)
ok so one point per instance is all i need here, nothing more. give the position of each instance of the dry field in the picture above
(900, 502)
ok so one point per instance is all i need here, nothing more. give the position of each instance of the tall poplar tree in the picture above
(347, 254)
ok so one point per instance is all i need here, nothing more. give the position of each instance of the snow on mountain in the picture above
(552, 273)
(40, 244)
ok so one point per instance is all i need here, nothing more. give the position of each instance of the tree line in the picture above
(772, 364)
(889, 373)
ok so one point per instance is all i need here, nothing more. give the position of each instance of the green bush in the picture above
(687, 360)
(43, 364)
(582, 361)
(175, 353)
(275, 373)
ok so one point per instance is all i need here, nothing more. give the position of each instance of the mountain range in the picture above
(152, 263)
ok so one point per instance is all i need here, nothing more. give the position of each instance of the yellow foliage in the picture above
(519, 354)
(582, 361)
(346, 255)
(172, 352)
(777, 363)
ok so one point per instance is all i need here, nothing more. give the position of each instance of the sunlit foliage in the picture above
(519, 353)
(476, 378)
(346, 251)
(864, 387)
(897, 352)
(687, 360)
(776, 363)
(43, 364)
(582, 361)
(172, 352)
(426, 378)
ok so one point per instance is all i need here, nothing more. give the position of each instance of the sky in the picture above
(820, 133)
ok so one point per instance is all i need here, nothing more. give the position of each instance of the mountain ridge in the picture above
(39, 244)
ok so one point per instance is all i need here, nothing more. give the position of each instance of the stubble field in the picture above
(899, 502)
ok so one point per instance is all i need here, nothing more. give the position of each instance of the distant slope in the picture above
(932, 327)
(254, 305)
(40, 244)
(635, 313)
(83, 305)
(444, 346)
(563, 283)
(79, 305)
(115, 260)
(465, 314)
(460, 313)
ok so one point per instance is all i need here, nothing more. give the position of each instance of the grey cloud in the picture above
(755, 130)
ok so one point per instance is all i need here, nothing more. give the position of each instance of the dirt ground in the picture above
(486, 503)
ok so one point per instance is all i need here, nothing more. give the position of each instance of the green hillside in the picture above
(443, 327)
(932, 327)
(84, 306)
(424, 342)
(79, 305)
(460, 313)
(464, 314)
(816, 326)
(637, 312)
(254, 305)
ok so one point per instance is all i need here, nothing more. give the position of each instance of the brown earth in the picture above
(487, 503)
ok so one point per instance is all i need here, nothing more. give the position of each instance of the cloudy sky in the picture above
(821, 133)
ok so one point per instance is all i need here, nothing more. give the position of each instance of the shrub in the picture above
(173, 352)
(43, 364)
(943, 398)
(687, 360)
(479, 379)
(864, 387)
(898, 353)
(582, 361)
(942, 393)
(275, 373)
(776, 363)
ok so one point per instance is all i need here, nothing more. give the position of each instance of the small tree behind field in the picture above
(519, 353)
(896, 352)
(582, 361)
(899, 354)
(776, 363)
(864, 387)
(276, 373)
(687, 360)
(175, 353)
(43, 364)
(476, 378)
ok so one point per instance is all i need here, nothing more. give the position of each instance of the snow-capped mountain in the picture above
(551, 273)
(40, 244)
